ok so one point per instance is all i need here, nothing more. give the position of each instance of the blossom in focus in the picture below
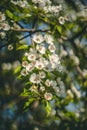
(29, 67)
(24, 72)
(38, 38)
(25, 63)
(35, 78)
(31, 56)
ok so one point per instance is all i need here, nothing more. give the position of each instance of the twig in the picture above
(80, 72)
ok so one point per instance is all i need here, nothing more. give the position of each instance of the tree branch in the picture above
(29, 30)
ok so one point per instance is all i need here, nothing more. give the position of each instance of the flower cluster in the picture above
(22, 4)
(40, 64)
(48, 7)
(3, 25)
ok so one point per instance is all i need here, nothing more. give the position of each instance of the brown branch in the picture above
(30, 30)
(80, 72)
(14, 42)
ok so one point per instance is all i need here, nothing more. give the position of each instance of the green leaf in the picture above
(48, 108)
(9, 14)
(17, 69)
(28, 102)
(22, 47)
(59, 29)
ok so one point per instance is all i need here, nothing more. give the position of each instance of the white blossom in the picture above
(24, 63)
(48, 96)
(53, 83)
(42, 89)
(54, 58)
(5, 26)
(38, 38)
(2, 35)
(48, 38)
(39, 65)
(61, 20)
(10, 47)
(23, 3)
(2, 17)
(42, 74)
(52, 48)
(41, 49)
(48, 67)
(48, 82)
(32, 56)
(35, 78)
(24, 72)
(29, 67)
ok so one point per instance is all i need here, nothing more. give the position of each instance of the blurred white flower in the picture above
(2, 17)
(2, 35)
(48, 67)
(42, 74)
(48, 82)
(23, 3)
(42, 89)
(53, 83)
(14, 2)
(53, 112)
(61, 20)
(15, 64)
(6, 66)
(36, 128)
(5, 26)
(10, 47)
(85, 72)
(48, 96)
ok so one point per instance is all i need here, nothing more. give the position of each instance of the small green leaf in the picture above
(48, 108)
(9, 14)
(17, 69)
(59, 29)
(28, 102)
(22, 47)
